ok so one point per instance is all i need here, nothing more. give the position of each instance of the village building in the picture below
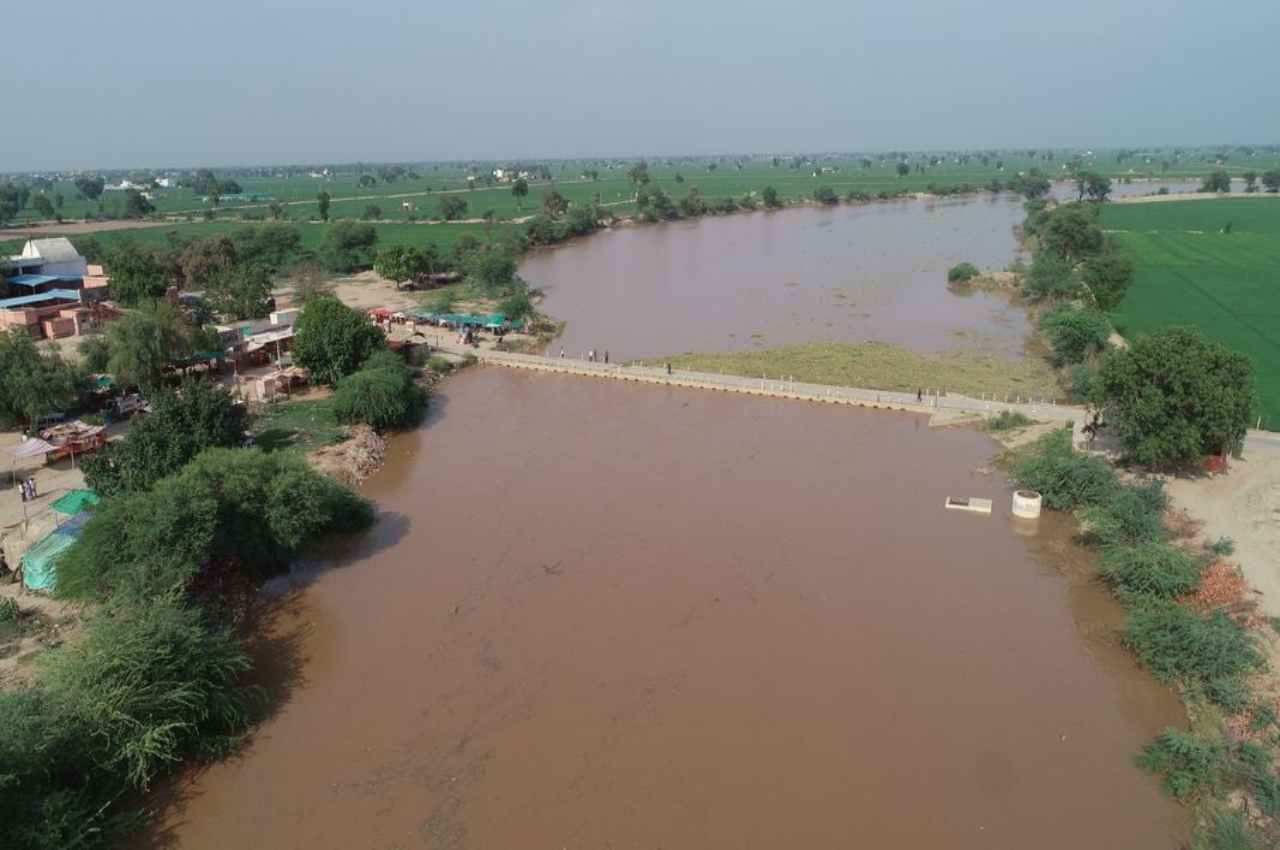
(53, 291)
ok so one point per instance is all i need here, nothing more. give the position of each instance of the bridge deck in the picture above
(932, 403)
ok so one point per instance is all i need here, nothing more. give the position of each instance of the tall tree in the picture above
(1173, 397)
(452, 207)
(138, 273)
(136, 204)
(146, 340)
(202, 259)
(42, 205)
(90, 186)
(399, 263)
(1218, 181)
(33, 383)
(520, 189)
(240, 291)
(322, 202)
(331, 340)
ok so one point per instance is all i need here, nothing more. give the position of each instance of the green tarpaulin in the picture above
(39, 563)
(75, 501)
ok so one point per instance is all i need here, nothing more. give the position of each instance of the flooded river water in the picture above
(602, 615)
(838, 274)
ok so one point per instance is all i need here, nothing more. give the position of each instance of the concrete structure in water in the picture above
(1026, 504)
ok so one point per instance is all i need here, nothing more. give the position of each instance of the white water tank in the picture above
(1026, 504)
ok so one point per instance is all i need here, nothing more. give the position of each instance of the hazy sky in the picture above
(164, 83)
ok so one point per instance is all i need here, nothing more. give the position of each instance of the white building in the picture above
(167, 182)
(56, 256)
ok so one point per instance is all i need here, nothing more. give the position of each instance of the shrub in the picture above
(1180, 645)
(1081, 382)
(1151, 569)
(1065, 480)
(230, 514)
(1226, 829)
(382, 394)
(1191, 767)
(181, 424)
(962, 273)
(147, 686)
(1050, 277)
(1130, 515)
(1074, 334)
(1008, 419)
(1222, 547)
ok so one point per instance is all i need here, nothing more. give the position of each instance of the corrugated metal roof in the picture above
(51, 295)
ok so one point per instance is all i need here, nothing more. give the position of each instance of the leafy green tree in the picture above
(491, 269)
(903, 169)
(349, 246)
(241, 291)
(136, 204)
(12, 199)
(638, 175)
(90, 186)
(769, 196)
(42, 205)
(1271, 179)
(554, 204)
(331, 340)
(400, 263)
(693, 205)
(1033, 185)
(94, 352)
(146, 340)
(372, 212)
(322, 202)
(34, 383)
(203, 259)
(181, 424)
(452, 207)
(1173, 397)
(1072, 232)
(367, 180)
(1218, 181)
(138, 273)
(1250, 182)
(276, 210)
(1050, 278)
(520, 190)
(1107, 277)
(274, 246)
(1097, 187)
(1075, 335)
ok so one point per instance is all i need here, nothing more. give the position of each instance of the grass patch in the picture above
(301, 426)
(878, 365)
(1007, 420)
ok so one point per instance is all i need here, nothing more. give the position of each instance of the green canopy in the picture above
(75, 501)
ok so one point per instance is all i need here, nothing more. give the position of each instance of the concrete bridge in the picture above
(941, 406)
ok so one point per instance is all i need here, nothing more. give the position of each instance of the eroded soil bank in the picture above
(601, 615)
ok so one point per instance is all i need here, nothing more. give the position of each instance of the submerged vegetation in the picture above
(882, 366)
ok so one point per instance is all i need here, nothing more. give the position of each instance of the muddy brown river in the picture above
(601, 615)
(838, 274)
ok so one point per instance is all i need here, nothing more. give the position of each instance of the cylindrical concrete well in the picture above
(1026, 504)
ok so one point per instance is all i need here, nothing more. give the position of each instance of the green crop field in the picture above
(1191, 272)
(731, 176)
(402, 233)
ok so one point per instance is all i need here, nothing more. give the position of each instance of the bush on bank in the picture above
(1066, 480)
(148, 685)
(381, 394)
(231, 515)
